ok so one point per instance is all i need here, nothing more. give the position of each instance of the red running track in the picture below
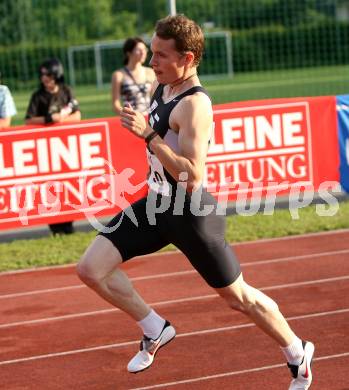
(57, 334)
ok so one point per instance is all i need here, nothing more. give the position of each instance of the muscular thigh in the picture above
(211, 257)
(201, 239)
(132, 234)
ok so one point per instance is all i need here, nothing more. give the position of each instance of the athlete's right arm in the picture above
(116, 81)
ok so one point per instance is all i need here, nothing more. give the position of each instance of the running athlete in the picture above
(178, 210)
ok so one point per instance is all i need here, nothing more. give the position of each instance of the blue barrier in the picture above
(343, 137)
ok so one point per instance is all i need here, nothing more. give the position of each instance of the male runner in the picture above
(177, 137)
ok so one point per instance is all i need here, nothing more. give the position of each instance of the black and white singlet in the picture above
(169, 214)
(159, 180)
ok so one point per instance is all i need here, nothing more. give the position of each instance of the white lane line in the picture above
(188, 334)
(295, 236)
(306, 283)
(231, 373)
(169, 302)
(43, 291)
(104, 311)
(262, 240)
(180, 273)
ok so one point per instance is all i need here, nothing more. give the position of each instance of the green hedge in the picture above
(276, 47)
(19, 64)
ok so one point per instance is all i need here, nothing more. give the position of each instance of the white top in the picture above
(7, 105)
(157, 180)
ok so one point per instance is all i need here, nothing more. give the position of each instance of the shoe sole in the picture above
(162, 345)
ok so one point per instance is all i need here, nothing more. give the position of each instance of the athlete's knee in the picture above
(99, 260)
(86, 271)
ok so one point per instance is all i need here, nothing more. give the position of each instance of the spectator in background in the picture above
(132, 83)
(7, 106)
(53, 102)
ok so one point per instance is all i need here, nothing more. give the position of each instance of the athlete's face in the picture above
(168, 64)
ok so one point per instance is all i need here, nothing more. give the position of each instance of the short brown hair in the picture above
(187, 35)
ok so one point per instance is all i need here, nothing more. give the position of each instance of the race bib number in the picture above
(157, 180)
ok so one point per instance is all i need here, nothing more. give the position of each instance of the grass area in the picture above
(67, 249)
(96, 103)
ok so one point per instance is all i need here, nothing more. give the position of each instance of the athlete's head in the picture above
(136, 49)
(177, 46)
(187, 35)
(51, 70)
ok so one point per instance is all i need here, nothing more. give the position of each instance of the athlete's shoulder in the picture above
(199, 100)
(194, 109)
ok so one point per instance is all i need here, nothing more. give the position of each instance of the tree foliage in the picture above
(246, 14)
(84, 21)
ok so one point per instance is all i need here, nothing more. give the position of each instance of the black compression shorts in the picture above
(199, 237)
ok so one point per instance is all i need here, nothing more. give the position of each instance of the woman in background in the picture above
(53, 102)
(132, 83)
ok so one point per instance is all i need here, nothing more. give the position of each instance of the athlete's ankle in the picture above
(152, 325)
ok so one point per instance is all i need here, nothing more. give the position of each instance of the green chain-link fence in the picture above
(263, 48)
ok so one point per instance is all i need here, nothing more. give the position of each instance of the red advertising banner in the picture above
(93, 168)
(270, 146)
(66, 172)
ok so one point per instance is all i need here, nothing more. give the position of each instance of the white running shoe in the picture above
(148, 348)
(302, 374)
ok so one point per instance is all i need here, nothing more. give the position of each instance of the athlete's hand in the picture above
(134, 121)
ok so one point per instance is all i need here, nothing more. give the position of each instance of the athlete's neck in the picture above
(181, 81)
